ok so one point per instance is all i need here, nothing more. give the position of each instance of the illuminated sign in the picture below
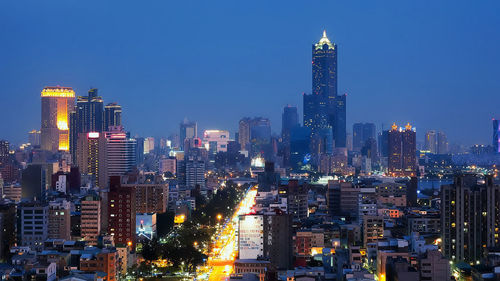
(178, 219)
(251, 236)
(93, 135)
(145, 225)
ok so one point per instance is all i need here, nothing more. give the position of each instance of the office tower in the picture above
(33, 224)
(112, 115)
(168, 164)
(324, 108)
(361, 132)
(373, 229)
(188, 130)
(409, 151)
(395, 150)
(267, 236)
(469, 217)
(402, 149)
(139, 150)
(300, 142)
(90, 112)
(290, 119)
(216, 140)
(91, 157)
(150, 197)
(33, 182)
(91, 218)
(430, 143)
(34, 137)
(338, 121)
(59, 220)
(244, 133)
(57, 103)
(496, 135)
(120, 152)
(383, 143)
(442, 143)
(194, 171)
(296, 194)
(4, 152)
(121, 213)
(149, 145)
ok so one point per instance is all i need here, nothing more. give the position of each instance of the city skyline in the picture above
(418, 68)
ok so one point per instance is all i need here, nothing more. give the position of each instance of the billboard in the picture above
(145, 225)
(251, 236)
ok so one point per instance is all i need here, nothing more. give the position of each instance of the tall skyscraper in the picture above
(121, 213)
(496, 135)
(34, 137)
(436, 142)
(402, 149)
(91, 218)
(324, 109)
(442, 143)
(91, 157)
(361, 132)
(4, 151)
(244, 133)
(430, 143)
(57, 103)
(469, 217)
(188, 130)
(112, 115)
(120, 152)
(290, 120)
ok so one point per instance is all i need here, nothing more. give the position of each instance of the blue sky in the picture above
(432, 63)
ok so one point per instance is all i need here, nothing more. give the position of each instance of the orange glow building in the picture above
(57, 102)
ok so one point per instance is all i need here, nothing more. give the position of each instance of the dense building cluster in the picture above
(85, 199)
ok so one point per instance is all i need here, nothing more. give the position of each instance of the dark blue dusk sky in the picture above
(433, 63)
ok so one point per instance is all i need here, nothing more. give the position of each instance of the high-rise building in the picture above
(442, 143)
(121, 213)
(33, 224)
(112, 115)
(4, 151)
(59, 220)
(91, 218)
(496, 135)
(373, 229)
(266, 236)
(216, 140)
(188, 130)
(402, 149)
(324, 108)
(296, 194)
(90, 112)
(120, 152)
(34, 138)
(150, 197)
(469, 217)
(290, 120)
(430, 143)
(436, 142)
(91, 157)
(194, 171)
(244, 133)
(149, 145)
(361, 132)
(57, 103)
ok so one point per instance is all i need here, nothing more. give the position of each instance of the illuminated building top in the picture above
(324, 40)
(394, 127)
(408, 126)
(59, 92)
